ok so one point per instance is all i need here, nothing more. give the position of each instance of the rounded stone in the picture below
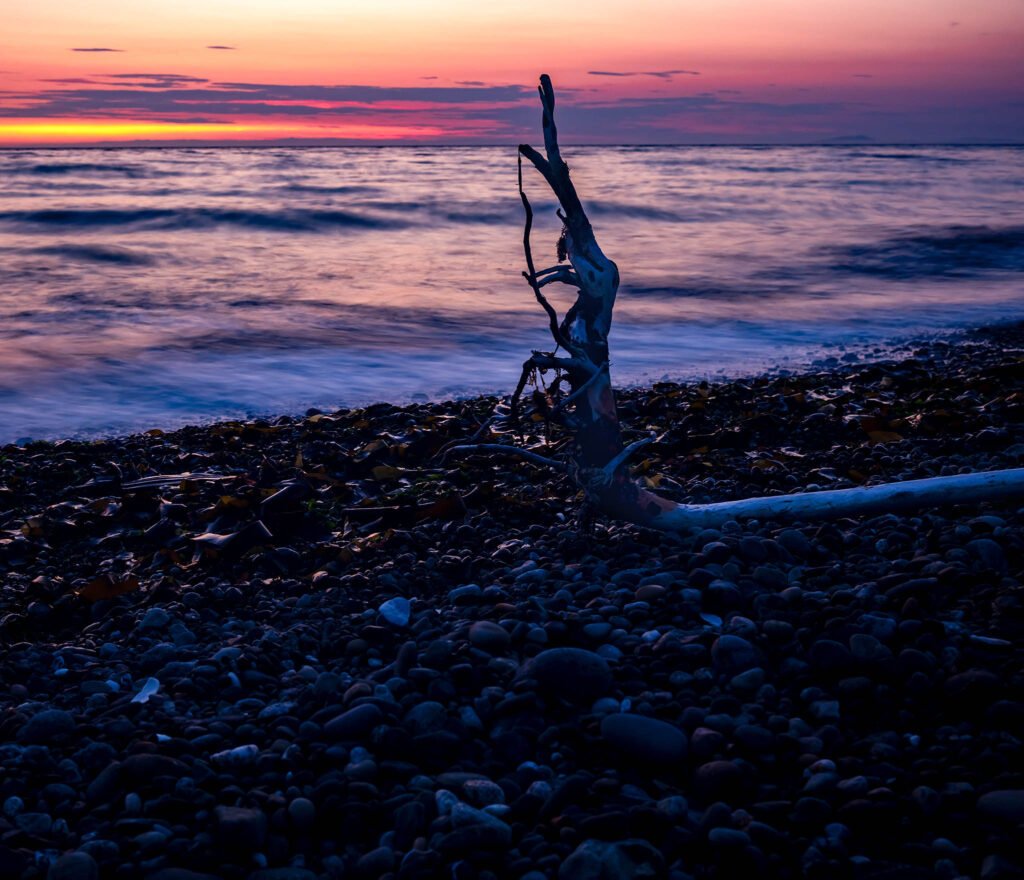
(74, 866)
(47, 726)
(734, 654)
(425, 717)
(1006, 806)
(302, 813)
(643, 739)
(396, 611)
(719, 781)
(570, 673)
(489, 636)
(355, 723)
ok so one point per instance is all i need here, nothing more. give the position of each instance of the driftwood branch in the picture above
(588, 412)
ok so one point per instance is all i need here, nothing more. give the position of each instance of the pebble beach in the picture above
(305, 648)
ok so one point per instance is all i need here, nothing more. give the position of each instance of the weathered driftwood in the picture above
(598, 458)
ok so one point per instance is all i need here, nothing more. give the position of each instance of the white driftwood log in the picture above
(598, 458)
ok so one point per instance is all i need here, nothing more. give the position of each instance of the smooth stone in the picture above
(155, 618)
(465, 816)
(74, 866)
(620, 860)
(597, 631)
(718, 780)
(240, 827)
(643, 739)
(47, 726)
(34, 823)
(868, 649)
(1006, 805)
(830, 657)
(302, 812)
(728, 838)
(425, 717)
(489, 636)
(734, 654)
(483, 792)
(465, 595)
(287, 873)
(376, 862)
(146, 767)
(179, 874)
(989, 552)
(355, 723)
(795, 542)
(396, 611)
(570, 673)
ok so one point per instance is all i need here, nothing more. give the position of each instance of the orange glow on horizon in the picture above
(18, 132)
(79, 130)
(937, 69)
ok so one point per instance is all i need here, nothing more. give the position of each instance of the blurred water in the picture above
(148, 288)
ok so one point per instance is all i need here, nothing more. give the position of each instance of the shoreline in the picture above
(338, 657)
(827, 356)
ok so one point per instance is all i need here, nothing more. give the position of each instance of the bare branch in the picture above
(484, 426)
(531, 276)
(564, 274)
(612, 467)
(541, 164)
(579, 392)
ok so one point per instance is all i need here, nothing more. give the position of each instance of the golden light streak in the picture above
(115, 130)
(17, 132)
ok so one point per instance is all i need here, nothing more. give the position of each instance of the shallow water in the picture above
(148, 288)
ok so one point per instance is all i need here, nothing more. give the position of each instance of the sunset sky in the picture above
(462, 71)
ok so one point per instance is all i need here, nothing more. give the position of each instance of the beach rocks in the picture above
(826, 699)
(396, 611)
(74, 866)
(734, 654)
(489, 637)
(570, 674)
(240, 827)
(355, 723)
(622, 860)
(1004, 806)
(645, 740)
(47, 726)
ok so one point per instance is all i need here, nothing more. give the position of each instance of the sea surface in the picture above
(150, 288)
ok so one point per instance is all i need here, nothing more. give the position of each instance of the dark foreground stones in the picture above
(645, 740)
(319, 652)
(570, 673)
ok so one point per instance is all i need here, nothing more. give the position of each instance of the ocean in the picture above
(151, 288)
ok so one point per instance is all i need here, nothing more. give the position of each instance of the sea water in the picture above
(155, 287)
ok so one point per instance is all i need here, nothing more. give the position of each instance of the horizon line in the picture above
(342, 144)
